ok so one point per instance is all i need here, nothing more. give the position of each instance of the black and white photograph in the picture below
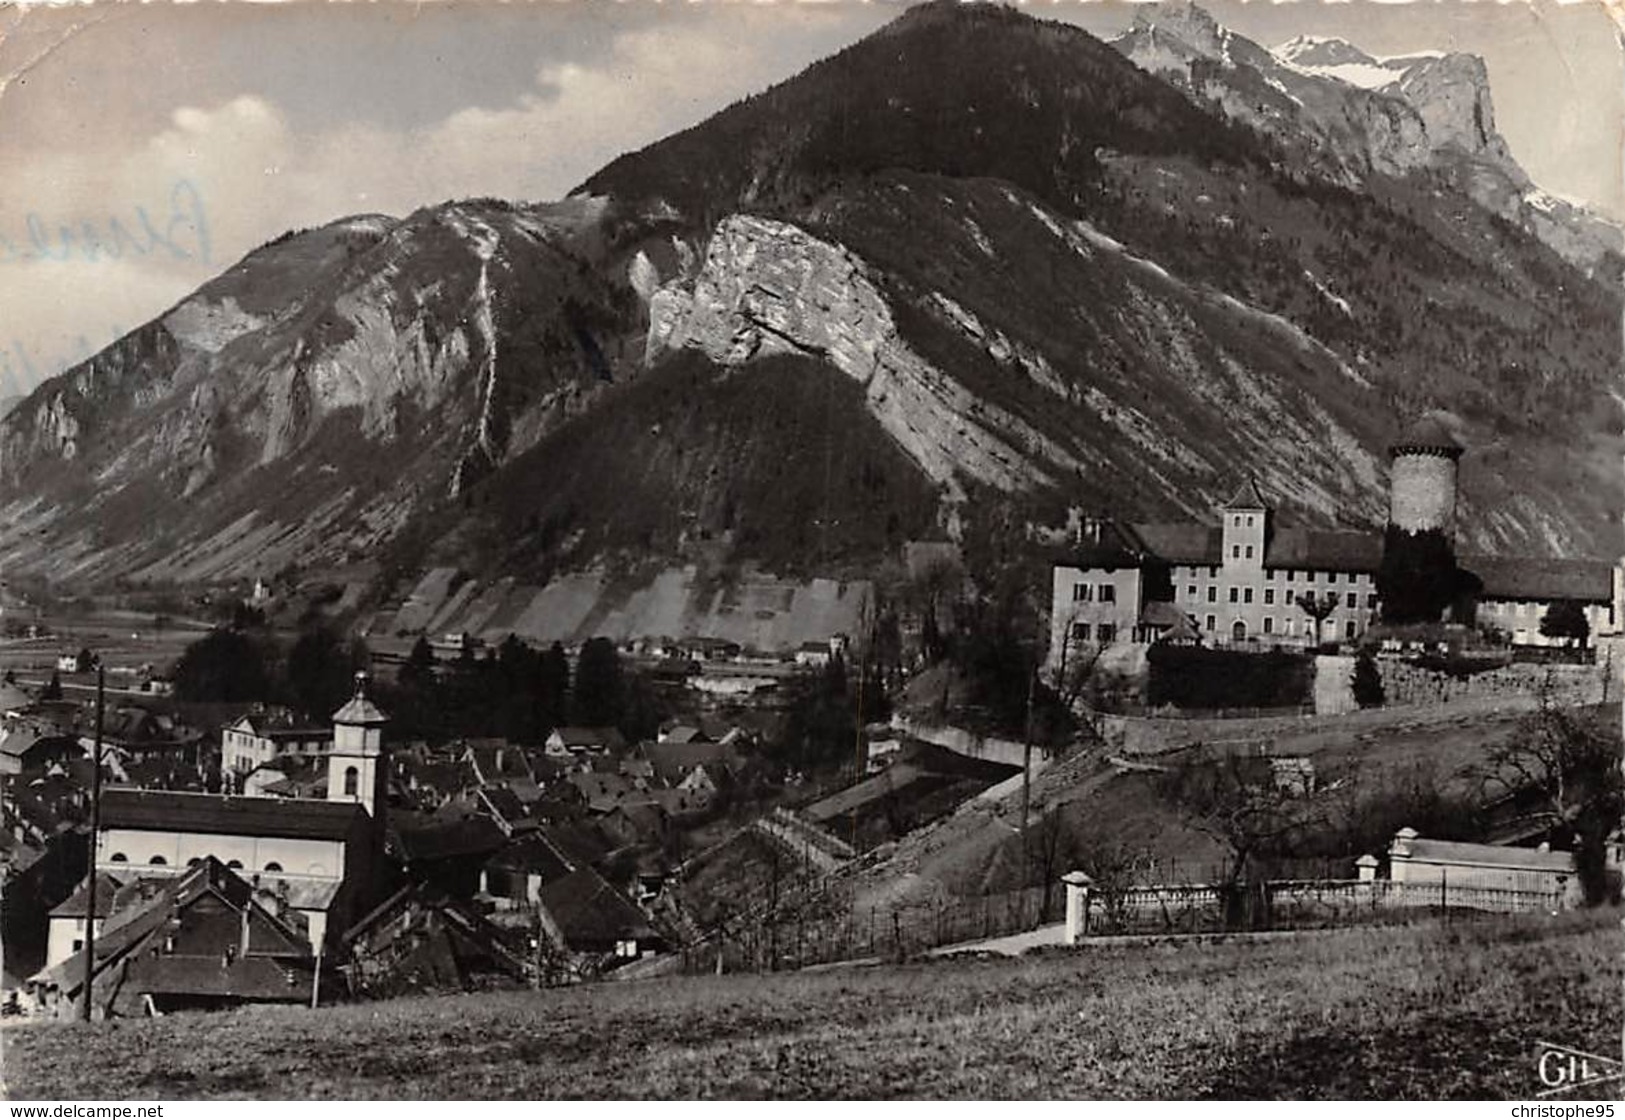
(645, 550)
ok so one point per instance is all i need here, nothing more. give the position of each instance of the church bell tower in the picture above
(355, 768)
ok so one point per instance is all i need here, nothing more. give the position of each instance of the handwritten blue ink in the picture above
(181, 232)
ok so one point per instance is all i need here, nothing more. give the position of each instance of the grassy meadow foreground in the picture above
(1422, 1011)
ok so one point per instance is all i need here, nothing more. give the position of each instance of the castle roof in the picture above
(1248, 497)
(1343, 550)
(1542, 579)
(1427, 434)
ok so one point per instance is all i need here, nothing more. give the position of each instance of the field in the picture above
(1424, 1011)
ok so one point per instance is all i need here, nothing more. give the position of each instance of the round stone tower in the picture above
(1422, 477)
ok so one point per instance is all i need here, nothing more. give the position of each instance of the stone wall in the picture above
(1404, 682)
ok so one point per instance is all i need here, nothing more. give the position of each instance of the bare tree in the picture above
(1318, 608)
(1235, 799)
(1560, 775)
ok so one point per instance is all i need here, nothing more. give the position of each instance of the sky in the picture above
(170, 140)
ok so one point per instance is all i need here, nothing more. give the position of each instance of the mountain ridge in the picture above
(1060, 282)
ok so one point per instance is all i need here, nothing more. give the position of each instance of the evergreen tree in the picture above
(1418, 577)
(224, 665)
(1566, 620)
(320, 673)
(599, 690)
(553, 687)
(416, 674)
(1368, 690)
(53, 687)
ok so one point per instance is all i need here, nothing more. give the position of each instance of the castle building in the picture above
(1249, 583)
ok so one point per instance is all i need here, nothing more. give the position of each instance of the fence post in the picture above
(1077, 905)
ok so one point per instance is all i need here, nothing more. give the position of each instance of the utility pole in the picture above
(95, 827)
(1027, 769)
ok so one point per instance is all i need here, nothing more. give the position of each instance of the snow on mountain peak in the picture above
(1320, 50)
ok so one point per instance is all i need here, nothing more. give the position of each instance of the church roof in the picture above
(1428, 433)
(216, 814)
(360, 711)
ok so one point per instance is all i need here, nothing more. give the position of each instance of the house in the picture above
(421, 939)
(503, 806)
(264, 736)
(584, 916)
(194, 941)
(69, 919)
(814, 655)
(1460, 866)
(675, 762)
(601, 792)
(575, 742)
(446, 851)
(27, 745)
(494, 761)
(637, 823)
(514, 877)
(682, 733)
(1240, 582)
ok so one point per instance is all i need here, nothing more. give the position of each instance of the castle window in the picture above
(1291, 574)
(1270, 574)
(1370, 602)
(1247, 595)
(1348, 629)
(1269, 596)
(1080, 592)
(1213, 571)
(352, 779)
(1080, 631)
(1249, 521)
(1190, 592)
(273, 866)
(158, 861)
(235, 865)
(1249, 552)
(1353, 601)
(1212, 594)
(1269, 625)
(1309, 577)
(1210, 622)
(1108, 593)
(1331, 577)
(1235, 552)
(1107, 633)
(1234, 594)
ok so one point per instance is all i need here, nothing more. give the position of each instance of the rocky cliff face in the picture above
(318, 358)
(1352, 114)
(767, 287)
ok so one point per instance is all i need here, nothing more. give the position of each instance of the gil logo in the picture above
(1563, 1068)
